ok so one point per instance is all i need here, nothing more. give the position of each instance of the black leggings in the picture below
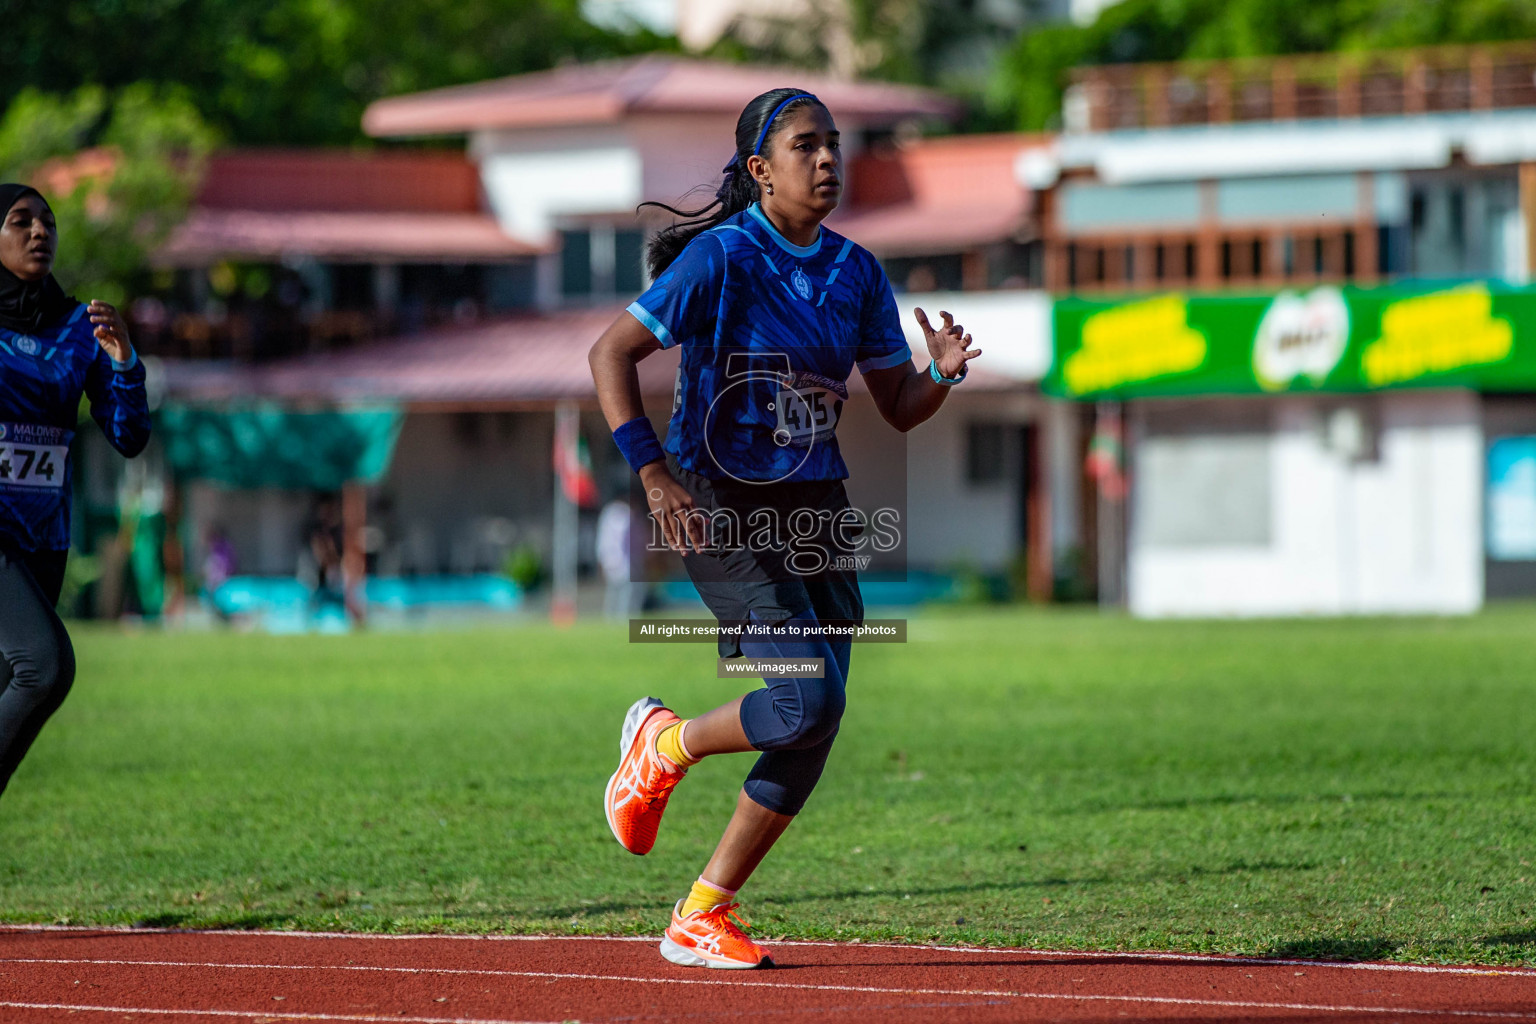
(37, 662)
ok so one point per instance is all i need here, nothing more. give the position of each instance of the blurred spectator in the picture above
(219, 560)
(320, 559)
(218, 565)
(614, 529)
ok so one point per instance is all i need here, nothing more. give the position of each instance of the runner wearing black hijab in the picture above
(53, 349)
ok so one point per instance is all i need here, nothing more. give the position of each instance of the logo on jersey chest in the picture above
(801, 283)
(27, 345)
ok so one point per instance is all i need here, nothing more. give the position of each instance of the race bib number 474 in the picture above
(33, 456)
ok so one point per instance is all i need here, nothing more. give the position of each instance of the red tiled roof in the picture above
(340, 181)
(524, 360)
(262, 235)
(938, 195)
(914, 229)
(606, 91)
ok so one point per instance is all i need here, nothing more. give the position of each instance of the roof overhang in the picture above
(1268, 149)
(916, 228)
(534, 360)
(605, 92)
(211, 235)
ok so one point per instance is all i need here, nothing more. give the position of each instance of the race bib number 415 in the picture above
(33, 456)
(805, 414)
(809, 410)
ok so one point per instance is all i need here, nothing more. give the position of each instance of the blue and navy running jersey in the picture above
(770, 332)
(42, 376)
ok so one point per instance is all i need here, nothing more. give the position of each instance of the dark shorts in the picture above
(770, 582)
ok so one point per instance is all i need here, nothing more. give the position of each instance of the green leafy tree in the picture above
(952, 45)
(1028, 88)
(119, 172)
(295, 72)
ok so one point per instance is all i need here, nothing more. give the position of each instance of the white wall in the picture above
(265, 527)
(1399, 530)
(678, 153)
(954, 522)
(534, 178)
(1011, 328)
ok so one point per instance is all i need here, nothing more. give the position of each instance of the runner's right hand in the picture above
(671, 505)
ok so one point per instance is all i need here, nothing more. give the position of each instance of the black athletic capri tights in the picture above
(37, 662)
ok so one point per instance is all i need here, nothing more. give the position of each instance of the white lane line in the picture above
(1149, 956)
(261, 1014)
(805, 987)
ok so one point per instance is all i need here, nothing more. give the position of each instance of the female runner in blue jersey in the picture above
(52, 349)
(772, 312)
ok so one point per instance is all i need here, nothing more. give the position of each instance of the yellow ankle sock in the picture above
(705, 896)
(670, 746)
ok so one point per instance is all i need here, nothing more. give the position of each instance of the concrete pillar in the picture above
(1528, 215)
(354, 565)
(562, 609)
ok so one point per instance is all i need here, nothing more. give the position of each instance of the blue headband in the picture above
(757, 149)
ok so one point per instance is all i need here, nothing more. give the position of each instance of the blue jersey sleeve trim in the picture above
(133, 360)
(756, 213)
(651, 324)
(885, 362)
(732, 227)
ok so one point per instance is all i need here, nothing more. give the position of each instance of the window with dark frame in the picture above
(986, 453)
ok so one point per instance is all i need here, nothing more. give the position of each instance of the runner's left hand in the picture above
(950, 347)
(111, 331)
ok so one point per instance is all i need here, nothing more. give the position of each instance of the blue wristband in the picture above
(939, 378)
(637, 443)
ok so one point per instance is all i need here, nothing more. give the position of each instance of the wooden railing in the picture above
(253, 336)
(1232, 258)
(1452, 78)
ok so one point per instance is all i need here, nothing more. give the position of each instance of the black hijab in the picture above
(27, 306)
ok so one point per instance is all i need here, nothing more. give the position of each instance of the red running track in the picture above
(50, 975)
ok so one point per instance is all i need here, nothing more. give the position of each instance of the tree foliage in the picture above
(1028, 88)
(119, 171)
(951, 45)
(294, 72)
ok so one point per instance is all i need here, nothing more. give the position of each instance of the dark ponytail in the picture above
(739, 190)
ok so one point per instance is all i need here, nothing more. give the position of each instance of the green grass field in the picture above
(1054, 779)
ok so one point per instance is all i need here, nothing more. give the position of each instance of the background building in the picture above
(461, 293)
(1303, 204)
(1308, 449)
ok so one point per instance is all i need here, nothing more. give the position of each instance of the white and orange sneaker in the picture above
(712, 938)
(637, 793)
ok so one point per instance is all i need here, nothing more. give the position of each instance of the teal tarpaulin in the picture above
(269, 446)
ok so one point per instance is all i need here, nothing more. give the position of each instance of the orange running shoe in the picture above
(712, 938)
(637, 793)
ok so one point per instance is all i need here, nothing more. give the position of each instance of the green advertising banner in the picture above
(1478, 335)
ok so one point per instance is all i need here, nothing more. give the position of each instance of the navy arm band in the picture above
(637, 443)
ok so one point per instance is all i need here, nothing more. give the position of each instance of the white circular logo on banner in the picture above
(1300, 336)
